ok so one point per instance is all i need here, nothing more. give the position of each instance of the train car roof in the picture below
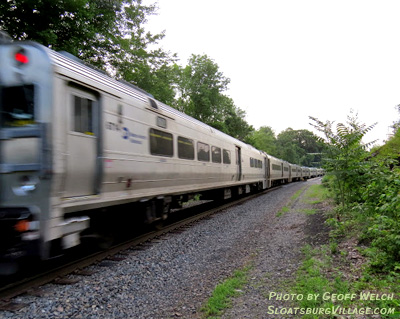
(80, 68)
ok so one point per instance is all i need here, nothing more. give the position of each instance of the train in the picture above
(77, 146)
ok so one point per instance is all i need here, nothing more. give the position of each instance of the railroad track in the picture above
(59, 274)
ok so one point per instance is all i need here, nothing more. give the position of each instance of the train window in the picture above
(276, 167)
(226, 156)
(203, 152)
(17, 106)
(185, 148)
(216, 154)
(83, 118)
(251, 162)
(286, 169)
(161, 122)
(161, 143)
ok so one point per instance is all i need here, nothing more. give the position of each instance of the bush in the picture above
(366, 186)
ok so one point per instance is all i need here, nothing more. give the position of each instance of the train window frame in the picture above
(182, 152)
(29, 95)
(88, 120)
(216, 156)
(203, 158)
(226, 157)
(276, 167)
(163, 148)
(82, 120)
(161, 122)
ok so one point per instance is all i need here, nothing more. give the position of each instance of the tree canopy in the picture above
(111, 35)
(108, 34)
(295, 146)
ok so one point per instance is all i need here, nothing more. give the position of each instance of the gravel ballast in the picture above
(174, 277)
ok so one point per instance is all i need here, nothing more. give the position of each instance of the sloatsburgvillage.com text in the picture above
(272, 310)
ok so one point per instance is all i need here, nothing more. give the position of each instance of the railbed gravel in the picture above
(173, 277)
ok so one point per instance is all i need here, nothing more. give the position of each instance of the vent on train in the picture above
(153, 104)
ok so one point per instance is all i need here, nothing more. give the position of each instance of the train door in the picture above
(238, 164)
(82, 150)
(267, 172)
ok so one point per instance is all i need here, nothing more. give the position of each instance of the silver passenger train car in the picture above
(75, 142)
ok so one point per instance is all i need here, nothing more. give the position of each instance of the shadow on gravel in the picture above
(316, 230)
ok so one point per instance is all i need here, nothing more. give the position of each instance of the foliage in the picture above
(264, 139)
(74, 26)
(367, 186)
(200, 90)
(396, 124)
(381, 204)
(345, 156)
(222, 293)
(299, 146)
(316, 194)
(328, 269)
(234, 123)
(310, 279)
(200, 87)
(108, 34)
(390, 152)
(321, 273)
(295, 146)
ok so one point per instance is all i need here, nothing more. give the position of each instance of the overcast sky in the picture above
(290, 59)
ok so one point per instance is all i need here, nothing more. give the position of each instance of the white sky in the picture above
(288, 59)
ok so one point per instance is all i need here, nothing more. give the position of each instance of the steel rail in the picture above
(25, 285)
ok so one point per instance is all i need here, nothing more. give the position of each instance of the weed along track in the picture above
(278, 256)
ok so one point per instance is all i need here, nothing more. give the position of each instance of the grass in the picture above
(296, 195)
(286, 208)
(312, 281)
(283, 210)
(327, 269)
(316, 194)
(309, 211)
(321, 273)
(223, 292)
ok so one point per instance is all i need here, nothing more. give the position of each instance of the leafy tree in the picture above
(299, 146)
(200, 90)
(367, 187)
(77, 26)
(264, 139)
(396, 124)
(287, 146)
(381, 203)
(235, 123)
(108, 34)
(345, 156)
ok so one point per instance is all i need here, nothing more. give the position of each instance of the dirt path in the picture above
(278, 257)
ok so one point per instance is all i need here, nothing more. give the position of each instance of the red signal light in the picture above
(21, 58)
